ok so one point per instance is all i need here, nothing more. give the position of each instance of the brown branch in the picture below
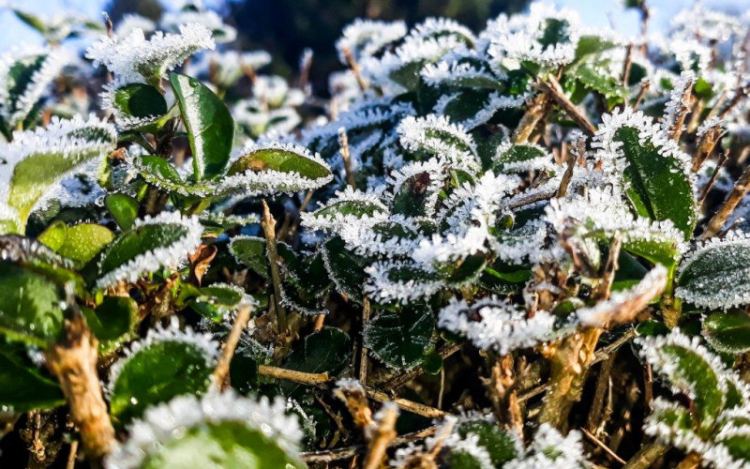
(627, 65)
(648, 455)
(73, 361)
(222, 368)
(601, 445)
(567, 176)
(675, 130)
(555, 91)
(691, 461)
(502, 387)
(382, 436)
(534, 113)
(299, 377)
(645, 85)
(733, 199)
(347, 157)
(706, 146)
(268, 223)
(355, 68)
(400, 380)
(405, 404)
(364, 363)
(597, 403)
(722, 159)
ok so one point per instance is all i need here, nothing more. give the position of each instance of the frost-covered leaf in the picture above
(273, 167)
(167, 364)
(345, 268)
(591, 79)
(136, 106)
(79, 243)
(656, 174)
(217, 430)
(24, 386)
(30, 305)
(348, 207)
(25, 75)
(521, 157)
(400, 339)
(728, 331)
(152, 243)
(36, 161)
(501, 445)
(436, 135)
(716, 273)
(495, 324)
(401, 282)
(134, 57)
(690, 368)
(672, 424)
(218, 300)
(124, 209)
(209, 125)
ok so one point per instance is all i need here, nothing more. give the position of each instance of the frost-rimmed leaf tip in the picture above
(185, 237)
(166, 423)
(135, 56)
(202, 342)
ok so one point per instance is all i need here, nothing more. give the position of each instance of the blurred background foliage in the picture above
(285, 28)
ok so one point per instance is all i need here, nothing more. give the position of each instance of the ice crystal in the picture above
(222, 32)
(382, 285)
(366, 38)
(170, 255)
(551, 450)
(165, 422)
(133, 57)
(495, 324)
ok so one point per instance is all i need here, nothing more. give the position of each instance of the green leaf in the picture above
(501, 445)
(114, 319)
(717, 275)
(140, 100)
(215, 301)
(132, 254)
(327, 350)
(691, 369)
(728, 331)
(39, 171)
(156, 373)
(346, 208)
(608, 86)
(659, 187)
(226, 444)
(24, 386)
(84, 241)
(417, 196)
(124, 209)
(521, 157)
(400, 339)
(280, 159)
(345, 268)
(209, 124)
(31, 20)
(29, 306)
(54, 236)
(738, 446)
(592, 45)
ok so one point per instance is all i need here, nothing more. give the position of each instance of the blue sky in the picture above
(593, 12)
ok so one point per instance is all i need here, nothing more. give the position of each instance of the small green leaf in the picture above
(521, 157)
(113, 319)
(54, 236)
(215, 301)
(209, 124)
(280, 159)
(659, 187)
(345, 268)
(31, 20)
(400, 339)
(29, 305)
(124, 209)
(728, 331)
(140, 100)
(156, 373)
(592, 45)
(432, 362)
(24, 386)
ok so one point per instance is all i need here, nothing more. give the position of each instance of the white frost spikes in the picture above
(135, 56)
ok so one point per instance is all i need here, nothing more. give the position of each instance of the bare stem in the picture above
(706, 146)
(364, 363)
(645, 85)
(382, 436)
(648, 455)
(73, 361)
(555, 91)
(300, 377)
(733, 199)
(722, 159)
(405, 404)
(222, 368)
(268, 223)
(347, 157)
(534, 113)
(355, 68)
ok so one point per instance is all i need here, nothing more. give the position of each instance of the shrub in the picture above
(437, 267)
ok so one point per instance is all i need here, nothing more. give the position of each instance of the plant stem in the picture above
(268, 224)
(73, 361)
(382, 436)
(364, 363)
(405, 404)
(555, 91)
(294, 376)
(222, 368)
(691, 461)
(733, 199)
(644, 458)
(534, 113)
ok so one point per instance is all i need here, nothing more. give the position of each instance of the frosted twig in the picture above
(268, 223)
(555, 91)
(733, 199)
(222, 368)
